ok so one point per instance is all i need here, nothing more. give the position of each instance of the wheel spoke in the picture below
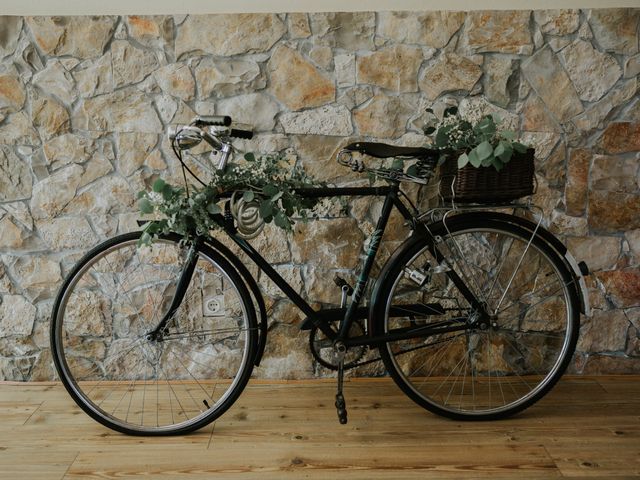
(500, 364)
(138, 384)
(515, 270)
(192, 376)
(203, 333)
(548, 297)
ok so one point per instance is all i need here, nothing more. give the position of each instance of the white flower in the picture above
(155, 198)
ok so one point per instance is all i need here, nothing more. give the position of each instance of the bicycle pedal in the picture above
(341, 408)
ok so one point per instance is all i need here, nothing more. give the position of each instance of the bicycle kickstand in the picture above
(341, 405)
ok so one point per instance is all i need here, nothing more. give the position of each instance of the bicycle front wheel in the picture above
(479, 370)
(142, 384)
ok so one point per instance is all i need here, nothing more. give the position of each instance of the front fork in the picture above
(181, 289)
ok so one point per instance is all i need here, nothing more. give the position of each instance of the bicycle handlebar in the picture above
(197, 130)
(239, 133)
(212, 120)
(201, 128)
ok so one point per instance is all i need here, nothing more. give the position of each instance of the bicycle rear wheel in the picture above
(128, 380)
(512, 361)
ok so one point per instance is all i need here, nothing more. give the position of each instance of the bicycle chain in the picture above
(334, 366)
(377, 359)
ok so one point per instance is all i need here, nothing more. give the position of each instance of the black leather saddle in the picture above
(382, 150)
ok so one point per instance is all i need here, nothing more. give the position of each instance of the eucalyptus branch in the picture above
(267, 181)
(482, 144)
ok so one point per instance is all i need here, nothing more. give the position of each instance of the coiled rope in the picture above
(247, 215)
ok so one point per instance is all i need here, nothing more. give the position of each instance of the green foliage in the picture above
(397, 164)
(267, 180)
(482, 144)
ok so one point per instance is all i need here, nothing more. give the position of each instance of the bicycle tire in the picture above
(524, 354)
(103, 313)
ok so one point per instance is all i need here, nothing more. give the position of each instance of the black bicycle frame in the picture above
(322, 318)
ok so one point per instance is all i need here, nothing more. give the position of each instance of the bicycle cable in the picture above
(184, 166)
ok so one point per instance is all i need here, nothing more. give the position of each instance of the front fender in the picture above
(250, 282)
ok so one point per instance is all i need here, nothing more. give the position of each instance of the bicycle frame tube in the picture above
(455, 278)
(390, 193)
(346, 191)
(374, 245)
(181, 288)
(273, 274)
(405, 333)
(422, 229)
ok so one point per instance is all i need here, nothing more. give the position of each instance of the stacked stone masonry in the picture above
(84, 102)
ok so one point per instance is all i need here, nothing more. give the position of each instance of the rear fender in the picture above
(579, 270)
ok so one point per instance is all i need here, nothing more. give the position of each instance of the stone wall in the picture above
(84, 101)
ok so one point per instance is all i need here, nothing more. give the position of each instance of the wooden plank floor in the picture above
(587, 427)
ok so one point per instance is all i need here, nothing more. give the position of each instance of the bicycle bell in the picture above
(185, 137)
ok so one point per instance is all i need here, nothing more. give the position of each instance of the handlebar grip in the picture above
(236, 132)
(214, 120)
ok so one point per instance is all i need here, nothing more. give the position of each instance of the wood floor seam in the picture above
(33, 413)
(69, 467)
(546, 449)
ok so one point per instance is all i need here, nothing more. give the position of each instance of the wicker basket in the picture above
(486, 184)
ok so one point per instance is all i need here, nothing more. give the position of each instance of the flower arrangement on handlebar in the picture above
(267, 183)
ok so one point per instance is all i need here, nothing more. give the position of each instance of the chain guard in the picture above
(322, 348)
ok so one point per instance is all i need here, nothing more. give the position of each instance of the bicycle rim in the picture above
(137, 385)
(492, 373)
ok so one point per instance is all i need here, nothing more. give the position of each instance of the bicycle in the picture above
(475, 316)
